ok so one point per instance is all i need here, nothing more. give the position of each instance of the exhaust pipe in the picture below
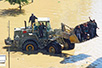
(25, 24)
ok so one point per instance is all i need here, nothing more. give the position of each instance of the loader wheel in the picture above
(51, 49)
(72, 46)
(54, 48)
(30, 46)
(67, 44)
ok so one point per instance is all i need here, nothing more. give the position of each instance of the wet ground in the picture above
(71, 12)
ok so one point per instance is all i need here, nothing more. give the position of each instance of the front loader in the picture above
(53, 40)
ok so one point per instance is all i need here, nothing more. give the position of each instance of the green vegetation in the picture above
(20, 2)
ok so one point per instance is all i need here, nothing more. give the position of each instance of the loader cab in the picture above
(45, 21)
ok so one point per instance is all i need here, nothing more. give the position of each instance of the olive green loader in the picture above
(54, 40)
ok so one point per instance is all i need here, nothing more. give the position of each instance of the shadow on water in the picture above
(11, 12)
(75, 58)
(43, 51)
(96, 64)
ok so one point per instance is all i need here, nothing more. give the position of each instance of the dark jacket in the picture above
(77, 30)
(85, 28)
(32, 19)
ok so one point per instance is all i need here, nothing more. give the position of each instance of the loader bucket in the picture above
(68, 33)
(73, 38)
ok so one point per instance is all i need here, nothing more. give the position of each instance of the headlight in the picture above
(16, 37)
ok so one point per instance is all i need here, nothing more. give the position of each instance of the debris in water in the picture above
(86, 62)
(58, 1)
(81, 65)
(17, 58)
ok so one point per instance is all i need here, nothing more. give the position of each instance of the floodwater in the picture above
(70, 12)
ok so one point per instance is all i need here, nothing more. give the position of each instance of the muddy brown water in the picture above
(70, 12)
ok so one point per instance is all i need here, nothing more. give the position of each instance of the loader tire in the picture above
(30, 46)
(54, 48)
(67, 44)
(72, 46)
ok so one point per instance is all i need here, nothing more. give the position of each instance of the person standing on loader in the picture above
(32, 19)
(93, 28)
(78, 32)
(41, 30)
